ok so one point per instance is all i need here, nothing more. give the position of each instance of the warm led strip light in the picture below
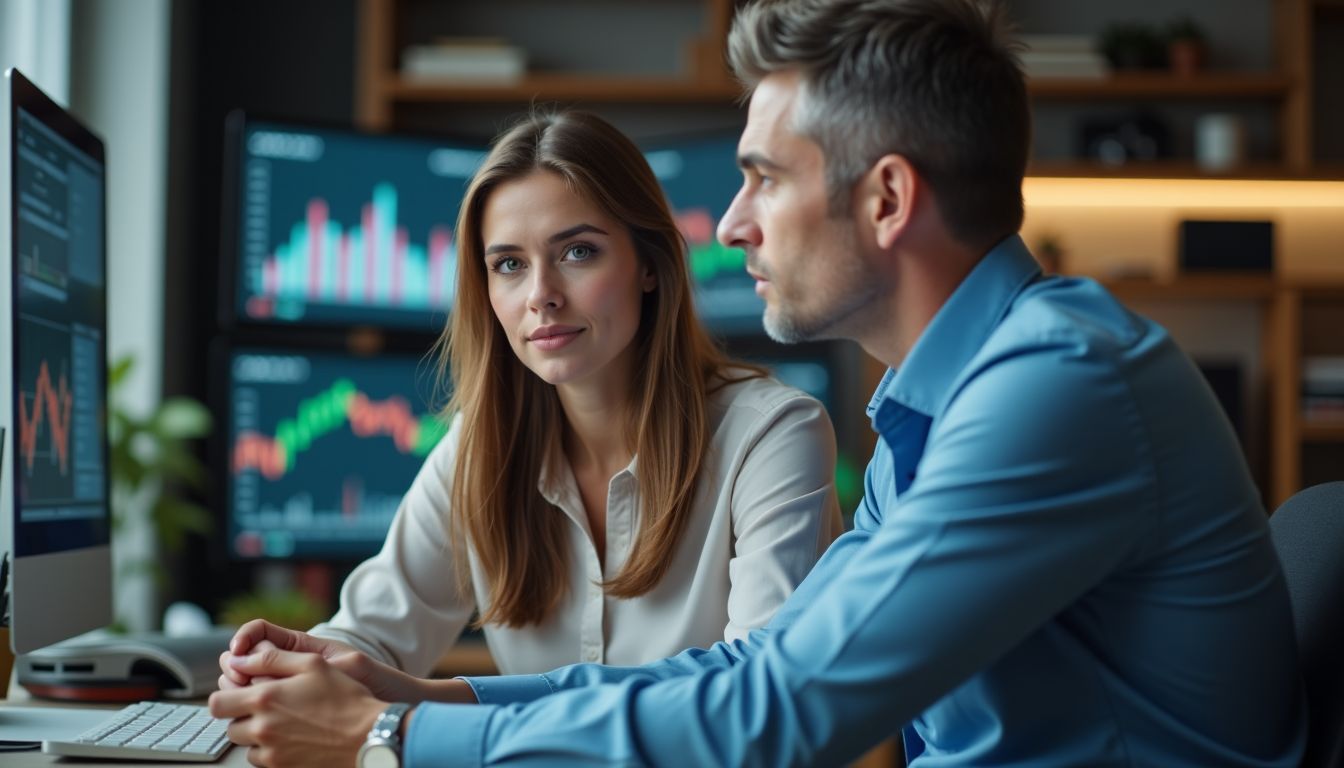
(1047, 192)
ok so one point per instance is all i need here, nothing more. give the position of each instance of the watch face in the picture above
(378, 756)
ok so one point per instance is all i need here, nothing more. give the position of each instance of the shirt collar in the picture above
(959, 329)
(557, 484)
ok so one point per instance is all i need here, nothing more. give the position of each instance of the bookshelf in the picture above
(382, 92)
(1163, 85)
(1307, 318)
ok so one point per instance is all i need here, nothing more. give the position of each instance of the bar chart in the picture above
(347, 229)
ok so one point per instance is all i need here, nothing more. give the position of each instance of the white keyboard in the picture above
(150, 730)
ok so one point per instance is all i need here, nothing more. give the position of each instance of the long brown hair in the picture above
(511, 418)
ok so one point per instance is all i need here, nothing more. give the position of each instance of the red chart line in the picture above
(54, 403)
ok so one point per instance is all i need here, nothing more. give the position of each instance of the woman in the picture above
(612, 488)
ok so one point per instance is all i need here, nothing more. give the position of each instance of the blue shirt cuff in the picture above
(446, 735)
(509, 689)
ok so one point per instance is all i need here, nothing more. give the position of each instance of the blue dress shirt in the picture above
(1060, 559)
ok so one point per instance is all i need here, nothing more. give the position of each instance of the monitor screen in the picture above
(700, 178)
(322, 447)
(336, 227)
(54, 344)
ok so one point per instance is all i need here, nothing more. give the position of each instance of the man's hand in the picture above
(258, 631)
(307, 713)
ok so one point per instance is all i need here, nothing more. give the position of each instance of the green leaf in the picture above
(127, 470)
(181, 418)
(175, 462)
(174, 519)
(120, 368)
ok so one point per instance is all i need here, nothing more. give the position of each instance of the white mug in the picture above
(1220, 142)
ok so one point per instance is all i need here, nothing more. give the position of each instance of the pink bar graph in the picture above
(370, 251)
(317, 235)
(439, 240)
(398, 259)
(343, 269)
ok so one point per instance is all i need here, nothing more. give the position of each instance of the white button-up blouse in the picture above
(764, 511)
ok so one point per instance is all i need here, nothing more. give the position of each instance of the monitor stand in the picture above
(103, 667)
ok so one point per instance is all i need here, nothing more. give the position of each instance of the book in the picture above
(485, 61)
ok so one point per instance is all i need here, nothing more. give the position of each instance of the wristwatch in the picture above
(382, 747)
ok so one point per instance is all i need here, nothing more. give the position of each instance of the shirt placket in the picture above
(592, 637)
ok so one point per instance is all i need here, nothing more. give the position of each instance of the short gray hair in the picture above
(937, 81)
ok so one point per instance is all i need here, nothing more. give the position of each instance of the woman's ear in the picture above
(649, 280)
(890, 189)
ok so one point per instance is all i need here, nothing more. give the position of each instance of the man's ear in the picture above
(890, 189)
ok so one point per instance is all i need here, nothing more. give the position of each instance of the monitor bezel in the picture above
(81, 577)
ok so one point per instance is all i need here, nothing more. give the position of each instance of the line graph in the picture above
(323, 446)
(342, 403)
(51, 405)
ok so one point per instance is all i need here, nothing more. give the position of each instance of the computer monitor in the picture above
(54, 512)
(322, 447)
(700, 178)
(334, 227)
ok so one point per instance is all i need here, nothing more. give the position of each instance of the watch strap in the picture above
(388, 724)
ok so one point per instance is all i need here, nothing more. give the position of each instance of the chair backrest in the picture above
(1308, 532)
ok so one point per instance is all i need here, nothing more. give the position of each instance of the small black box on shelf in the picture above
(1227, 246)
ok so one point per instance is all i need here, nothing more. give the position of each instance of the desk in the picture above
(236, 757)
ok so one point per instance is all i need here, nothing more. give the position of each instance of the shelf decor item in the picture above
(1186, 48)
(1226, 246)
(1133, 45)
(1220, 142)
(1049, 252)
(1065, 57)
(478, 60)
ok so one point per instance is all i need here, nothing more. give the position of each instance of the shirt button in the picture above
(591, 655)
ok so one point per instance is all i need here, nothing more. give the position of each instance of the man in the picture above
(1059, 559)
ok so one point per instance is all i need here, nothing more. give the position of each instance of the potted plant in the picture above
(151, 464)
(1049, 253)
(1133, 45)
(1185, 47)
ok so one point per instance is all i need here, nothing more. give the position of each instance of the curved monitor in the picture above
(53, 341)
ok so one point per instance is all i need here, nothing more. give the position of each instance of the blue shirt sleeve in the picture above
(1015, 512)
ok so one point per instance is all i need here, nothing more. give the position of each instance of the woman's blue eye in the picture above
(580, 252)
(507, 265)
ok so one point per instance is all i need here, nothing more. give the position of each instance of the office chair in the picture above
(1308, 533)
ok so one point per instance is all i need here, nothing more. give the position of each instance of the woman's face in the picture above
(564, 280)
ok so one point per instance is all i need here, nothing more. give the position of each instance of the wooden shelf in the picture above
(609, 88)
(590, 88)
(1176, 169)
(1162, 85)
(1327, 432)
(1254, 287)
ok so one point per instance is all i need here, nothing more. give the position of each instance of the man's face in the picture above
(804, 259)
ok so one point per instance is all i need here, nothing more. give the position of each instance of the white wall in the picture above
(119, 86)
(35, 39)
